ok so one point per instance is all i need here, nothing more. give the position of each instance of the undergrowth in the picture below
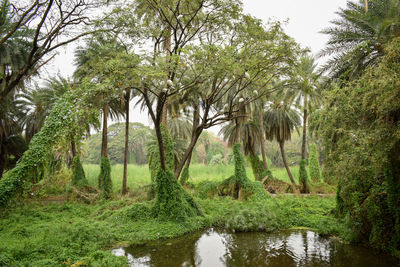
(75, 233)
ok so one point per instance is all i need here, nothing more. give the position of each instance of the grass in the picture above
(139, 175)
(65, 232)
(76, 234)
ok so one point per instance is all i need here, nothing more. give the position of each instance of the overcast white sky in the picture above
(305, 19)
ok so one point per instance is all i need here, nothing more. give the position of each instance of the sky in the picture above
(305, 19)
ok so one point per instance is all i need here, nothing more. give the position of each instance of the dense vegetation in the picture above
(193, 65)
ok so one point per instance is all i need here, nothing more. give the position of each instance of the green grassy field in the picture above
(139, 175)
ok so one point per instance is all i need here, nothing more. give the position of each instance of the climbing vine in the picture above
(78, 174)
(315, 172)
(71, 112)
(105, 178)
(303, 178)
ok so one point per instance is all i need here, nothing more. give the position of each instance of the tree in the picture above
(92, 62)
(280, 121)
(358, 38)
(249, 133)
(306, 96)
(40, 27)
(360, 124)
(39, 102)
(12, 144)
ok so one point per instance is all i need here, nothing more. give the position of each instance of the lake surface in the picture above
(215, 248)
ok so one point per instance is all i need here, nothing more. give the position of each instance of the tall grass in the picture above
(139, 175)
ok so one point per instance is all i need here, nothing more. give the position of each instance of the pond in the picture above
(284, 248)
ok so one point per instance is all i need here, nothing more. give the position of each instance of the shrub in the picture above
(105, 178)
(315, 172)
(217, 159)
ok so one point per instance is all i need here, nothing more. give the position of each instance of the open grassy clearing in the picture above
(139, 175)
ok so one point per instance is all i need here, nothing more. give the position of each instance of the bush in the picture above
(315, 172)
(217, 159)
(78, 175)
(105, 178)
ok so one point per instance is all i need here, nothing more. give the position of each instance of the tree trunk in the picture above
(366, 5)
(282, 147)
(73, 152)
(127, 98)
(187, 154)
(157, 127)
(167, 47)
(195, 135)
(73, 148)
(104, 139)
(261, 118)
(304, 141)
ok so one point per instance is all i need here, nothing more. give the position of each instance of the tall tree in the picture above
(305, 94)
(41, 27)
(92, 62)
(280, 121)
(357, 39)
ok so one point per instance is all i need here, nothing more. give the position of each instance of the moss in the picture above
(303, 178)
(105, 177)
(78, 174)
(315, 172)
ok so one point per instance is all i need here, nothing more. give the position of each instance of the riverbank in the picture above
(76, 234)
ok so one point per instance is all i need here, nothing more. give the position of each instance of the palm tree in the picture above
(357, 39)
(40, 101)
(14, 51)
(306, 91)
(12, 144)
(97, 50)
(280, 121)
(249, 133)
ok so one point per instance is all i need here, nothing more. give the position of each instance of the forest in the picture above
(304, 143)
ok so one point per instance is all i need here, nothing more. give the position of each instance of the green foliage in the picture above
(70, 114)
(154, 155)
(258, 168)
(105, 178)
(207, 189)
(240, 170)
(72, 233)
(172, 201)
(138, 137)
(362, 127)
(78, 174)
(184, 175)
(303, 178)
(238, 185)
(313, 161)
(217, 159)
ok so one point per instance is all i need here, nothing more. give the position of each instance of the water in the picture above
(285, 248)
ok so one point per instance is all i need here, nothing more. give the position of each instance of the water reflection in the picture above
(285, 248)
